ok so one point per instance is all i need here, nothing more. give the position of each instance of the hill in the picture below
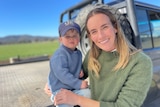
(11, 39)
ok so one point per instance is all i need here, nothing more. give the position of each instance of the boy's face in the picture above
(70, 39)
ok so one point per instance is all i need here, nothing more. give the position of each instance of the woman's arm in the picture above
(68, 97)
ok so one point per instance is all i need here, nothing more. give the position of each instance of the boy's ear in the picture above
(60, 39)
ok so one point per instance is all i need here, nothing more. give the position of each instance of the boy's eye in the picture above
(69, 37)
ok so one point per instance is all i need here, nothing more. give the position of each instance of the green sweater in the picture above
(127, 87)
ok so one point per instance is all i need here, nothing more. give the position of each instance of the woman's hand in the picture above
(65, 97)
(68, 97)
(47, 90)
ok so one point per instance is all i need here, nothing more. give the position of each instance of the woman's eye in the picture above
(105, 27)
(93, 32)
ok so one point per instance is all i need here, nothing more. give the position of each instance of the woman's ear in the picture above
(115, 30)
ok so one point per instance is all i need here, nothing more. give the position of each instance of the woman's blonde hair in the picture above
(123, 46)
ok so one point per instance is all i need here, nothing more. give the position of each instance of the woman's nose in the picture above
(100, 34)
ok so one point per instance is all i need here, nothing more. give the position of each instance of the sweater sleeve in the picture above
(135, 88)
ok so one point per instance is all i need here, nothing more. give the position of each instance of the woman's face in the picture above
(102, 32)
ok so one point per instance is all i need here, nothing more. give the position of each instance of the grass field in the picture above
(24, 50)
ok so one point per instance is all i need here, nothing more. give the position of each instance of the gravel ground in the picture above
(22, 85)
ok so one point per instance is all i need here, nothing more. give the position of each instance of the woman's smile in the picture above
(104, 41)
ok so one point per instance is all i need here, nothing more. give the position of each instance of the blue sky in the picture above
(35, 17)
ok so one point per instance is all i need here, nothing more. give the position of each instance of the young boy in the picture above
(66, 63)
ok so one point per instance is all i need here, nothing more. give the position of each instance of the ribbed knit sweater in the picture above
(126, 87)
(65, 67)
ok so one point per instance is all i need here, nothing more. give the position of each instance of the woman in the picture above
(119, 74)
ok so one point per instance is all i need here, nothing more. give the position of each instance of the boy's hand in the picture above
(81, 74)
(84, 84)
(47, 90)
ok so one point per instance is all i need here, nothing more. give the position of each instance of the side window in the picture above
(144, 28)
(155, 27)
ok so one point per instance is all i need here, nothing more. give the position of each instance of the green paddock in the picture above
(25, 50)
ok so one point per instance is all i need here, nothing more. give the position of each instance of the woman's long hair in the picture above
(123, 46)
